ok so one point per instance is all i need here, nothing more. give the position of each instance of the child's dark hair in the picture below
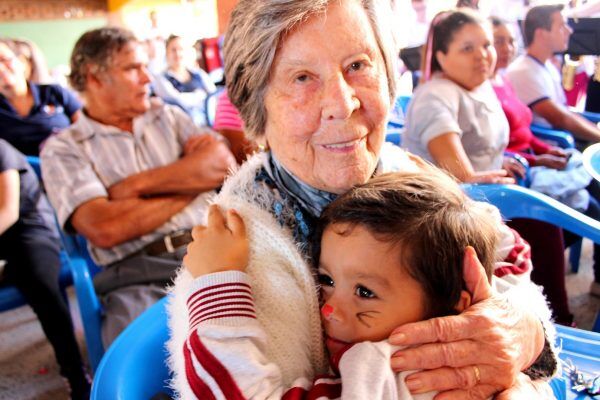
(430, 219)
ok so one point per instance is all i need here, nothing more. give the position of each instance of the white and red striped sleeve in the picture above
(225, 350)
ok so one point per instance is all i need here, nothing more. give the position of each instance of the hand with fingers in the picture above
(472, 355)
(500, 176)
(220, 246)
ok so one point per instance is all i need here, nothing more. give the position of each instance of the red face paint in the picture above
(326, 310)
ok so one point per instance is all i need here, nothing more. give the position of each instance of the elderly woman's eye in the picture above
(363, 292)
(302, 78)
(325, 280)
(356, 66)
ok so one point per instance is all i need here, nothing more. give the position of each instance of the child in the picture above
(391, 253)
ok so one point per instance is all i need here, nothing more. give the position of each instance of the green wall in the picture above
(55, 38)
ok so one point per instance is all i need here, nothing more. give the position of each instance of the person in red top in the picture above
(538, 153)
(521, 141)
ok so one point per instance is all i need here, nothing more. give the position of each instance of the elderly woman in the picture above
(315, 80)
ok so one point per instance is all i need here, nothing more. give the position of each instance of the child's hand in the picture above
(220, 246)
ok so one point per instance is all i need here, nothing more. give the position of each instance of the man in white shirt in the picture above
(536, 80)
(130, 177)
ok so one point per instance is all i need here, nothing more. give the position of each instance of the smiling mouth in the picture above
(344, 146)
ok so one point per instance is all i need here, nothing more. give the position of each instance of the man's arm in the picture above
(107, 223)
(561, 118)
(198, 171)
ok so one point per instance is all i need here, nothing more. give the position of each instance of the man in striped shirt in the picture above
(131, 177)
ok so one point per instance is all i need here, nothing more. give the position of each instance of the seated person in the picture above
(469, 132)
(131, 178)
(30, 244)
(30, 112)
(229, 124)
(540, 154)
(391, 252)
(538, 83)
(182, 86)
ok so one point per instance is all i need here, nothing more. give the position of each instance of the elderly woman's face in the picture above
(327, 100)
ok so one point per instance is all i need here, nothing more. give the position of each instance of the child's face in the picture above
(366, 291)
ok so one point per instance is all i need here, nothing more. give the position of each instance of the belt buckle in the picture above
(169, 244)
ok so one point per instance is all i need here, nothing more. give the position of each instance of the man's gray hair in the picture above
(94, 49)
(257, 29)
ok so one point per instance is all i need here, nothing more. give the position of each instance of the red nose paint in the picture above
(326, 310)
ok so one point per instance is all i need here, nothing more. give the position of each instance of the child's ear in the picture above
(464, 301)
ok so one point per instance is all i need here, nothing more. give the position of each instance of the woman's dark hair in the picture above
(429, 219)
(441, 33)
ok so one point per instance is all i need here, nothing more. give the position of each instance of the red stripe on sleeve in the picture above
(200, 389)
(215, 369)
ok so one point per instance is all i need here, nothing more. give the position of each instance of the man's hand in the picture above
(472, 355)
(220, 246)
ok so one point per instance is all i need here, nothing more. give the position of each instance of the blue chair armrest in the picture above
(591, 116)
(518, 202)
(90, 308)
(134, 366)
(556, 137)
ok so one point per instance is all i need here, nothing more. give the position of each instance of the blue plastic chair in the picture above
(10, 296)
(519, 202)
(134, 367)
(78, 269)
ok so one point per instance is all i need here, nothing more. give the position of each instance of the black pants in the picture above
(593, 211)
(33, 265)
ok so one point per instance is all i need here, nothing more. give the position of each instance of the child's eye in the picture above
(363, 292)
(325, 280)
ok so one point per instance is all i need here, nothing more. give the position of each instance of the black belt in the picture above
(168, 243)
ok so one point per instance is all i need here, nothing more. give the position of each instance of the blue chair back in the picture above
(78, 268)
(519, 202)
(134, 367)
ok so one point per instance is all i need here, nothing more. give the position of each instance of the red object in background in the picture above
(580, 82)
(211, 53)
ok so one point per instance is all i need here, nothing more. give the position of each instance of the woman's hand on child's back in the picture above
(220, 246)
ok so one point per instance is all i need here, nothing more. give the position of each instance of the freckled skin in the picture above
(329, 87)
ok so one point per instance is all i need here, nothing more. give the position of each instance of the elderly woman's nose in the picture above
(338, 99)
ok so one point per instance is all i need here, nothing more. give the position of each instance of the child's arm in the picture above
(225, 352)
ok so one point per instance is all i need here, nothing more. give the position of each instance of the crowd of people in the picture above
(302, 185)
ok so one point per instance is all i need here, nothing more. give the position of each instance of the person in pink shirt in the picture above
(538, 154)
(229, 124)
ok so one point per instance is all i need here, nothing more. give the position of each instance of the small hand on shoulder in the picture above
(220, 246)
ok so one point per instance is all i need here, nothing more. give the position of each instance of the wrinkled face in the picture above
(327, 100)
(560, 31)
(366, 291)
(175, 53)
(12, 71)
(471, 58)
(125, 84)
(504, 43)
